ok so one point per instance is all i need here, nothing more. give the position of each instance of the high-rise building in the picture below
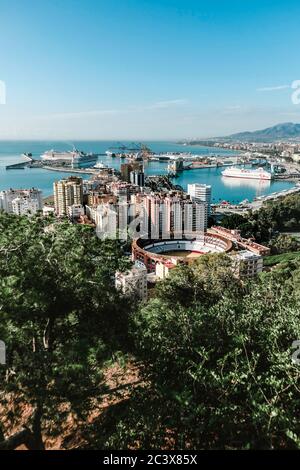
(164, 216)
(67, 192)
(127, 168)
(25, 206)
(137, 177)
(112, 219)
(200, 193)
(21, 201)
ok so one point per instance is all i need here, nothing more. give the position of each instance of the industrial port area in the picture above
(281, 167)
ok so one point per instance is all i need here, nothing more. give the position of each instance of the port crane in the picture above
(119, 146)
(133, 147)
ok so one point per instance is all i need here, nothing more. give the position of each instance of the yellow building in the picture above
(67, 192)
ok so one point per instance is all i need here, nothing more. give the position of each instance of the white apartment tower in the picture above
(21, 201)
(25, 206)
(112, 219)
(200, 193)
(164, 216)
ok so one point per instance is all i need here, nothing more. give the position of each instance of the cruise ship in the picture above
(258, 173)
(73, 157)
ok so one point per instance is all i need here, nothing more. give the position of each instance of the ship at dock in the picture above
(258, 173)
(74, 158)
(100, 166)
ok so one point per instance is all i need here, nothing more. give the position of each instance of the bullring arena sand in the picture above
(183, 254)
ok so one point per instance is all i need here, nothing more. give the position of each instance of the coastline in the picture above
(43, 178)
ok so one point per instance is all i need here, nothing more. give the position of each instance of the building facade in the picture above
(21, 201)
(75, 212)
(127, 168)
(67, 192)
(168, 215)
(247, 264)
(112, 219)
(137, 177)
(200, 193)
(133, 282)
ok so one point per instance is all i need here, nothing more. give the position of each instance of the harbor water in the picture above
(233, 190)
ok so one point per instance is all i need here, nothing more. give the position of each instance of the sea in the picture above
(227, 189)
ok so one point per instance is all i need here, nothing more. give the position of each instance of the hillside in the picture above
(284, 131)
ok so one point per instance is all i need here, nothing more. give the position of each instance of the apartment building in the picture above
(112, 219)
(247, 264)
(67, 192)
(21, 201)
(133, 282)
(200, 193)
(170, 215)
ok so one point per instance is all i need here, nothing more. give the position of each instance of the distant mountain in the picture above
(287, 130)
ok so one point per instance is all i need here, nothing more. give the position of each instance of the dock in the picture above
(256, 204)
(84, 171)
(287, 176)
(29, 162)
(17, 166)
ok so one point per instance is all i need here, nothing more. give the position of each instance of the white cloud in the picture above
(235, 106)
(274, 88)
(291, 113)
(167, 104)
(81, 114)
(233, 109)
(114, 112)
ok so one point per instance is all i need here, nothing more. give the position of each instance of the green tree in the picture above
(61, 319)
(221, 372)
(278, 215)
(284, 244)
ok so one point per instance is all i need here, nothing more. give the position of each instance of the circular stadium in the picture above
(183, 250)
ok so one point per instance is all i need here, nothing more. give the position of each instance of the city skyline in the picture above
(156, 70)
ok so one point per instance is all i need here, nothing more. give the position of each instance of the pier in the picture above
(86, 171)
(287, 177)
(17, 166)
(30, 162)
(198, 166)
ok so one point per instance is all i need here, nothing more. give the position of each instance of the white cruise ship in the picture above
(258, 173)
(73, 157)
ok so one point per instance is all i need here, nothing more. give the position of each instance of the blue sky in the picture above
(146, 69)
